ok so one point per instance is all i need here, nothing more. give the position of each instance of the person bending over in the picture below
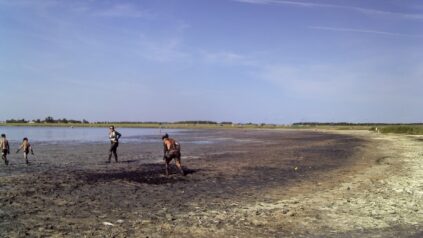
(172, 150)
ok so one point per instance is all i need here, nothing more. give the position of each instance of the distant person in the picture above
(26, 149)
(114, 143)
(171, 150)
(4, 146)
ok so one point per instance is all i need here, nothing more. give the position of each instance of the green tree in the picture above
(49, 119)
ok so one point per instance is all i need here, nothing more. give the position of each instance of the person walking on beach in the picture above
(26, 149)
(171, 150)
(4, 146)
(114, 143)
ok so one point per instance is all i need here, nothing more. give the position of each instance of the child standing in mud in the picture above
(4, 146)
(114, 143)
(172, 150)
(26, 148)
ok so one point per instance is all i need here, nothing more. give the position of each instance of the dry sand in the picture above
(253, 183)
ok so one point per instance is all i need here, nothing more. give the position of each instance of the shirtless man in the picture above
(4, 147)
(26, 149)
(171, 150)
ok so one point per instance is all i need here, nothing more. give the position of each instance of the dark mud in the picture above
(69, 190)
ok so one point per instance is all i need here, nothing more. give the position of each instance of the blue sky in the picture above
(270, 61)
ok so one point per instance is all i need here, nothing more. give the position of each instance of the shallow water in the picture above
(76, 135)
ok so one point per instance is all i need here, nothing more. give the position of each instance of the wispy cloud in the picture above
(311, 80)
(276, 2)
(224, 55)
(365, 31)
(28, 3)
(91, 8)
(162, 50)
(362, 10)
(353, 81)
(227, 57)
(123, 10)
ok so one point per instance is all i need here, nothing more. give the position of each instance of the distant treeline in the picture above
(223, 123)
(350, 124)
(158, 122)
(204, 122)
(51, 120)
(48, 119)
(161, 122)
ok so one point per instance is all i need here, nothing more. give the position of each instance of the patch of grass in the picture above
(403, 129)
(331, 127)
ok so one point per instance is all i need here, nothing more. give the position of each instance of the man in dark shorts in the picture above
(171, 150)
(4, 147)
(114, 143)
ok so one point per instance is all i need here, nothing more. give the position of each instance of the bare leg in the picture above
(179, 165)
(167, 168)
(26, 158)
(112, 151)
(4, 157)
(116, 156)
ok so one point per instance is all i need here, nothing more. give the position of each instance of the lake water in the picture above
(81, 134)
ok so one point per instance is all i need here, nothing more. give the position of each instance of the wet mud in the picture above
(238, 184)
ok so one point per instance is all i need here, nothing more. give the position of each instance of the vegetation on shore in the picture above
(51, 122)
(402, 129)
(397, 128)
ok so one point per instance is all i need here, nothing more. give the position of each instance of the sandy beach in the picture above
(240, 183)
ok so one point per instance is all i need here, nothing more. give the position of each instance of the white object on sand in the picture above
(108, 223)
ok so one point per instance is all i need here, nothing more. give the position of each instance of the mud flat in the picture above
(240, 183)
